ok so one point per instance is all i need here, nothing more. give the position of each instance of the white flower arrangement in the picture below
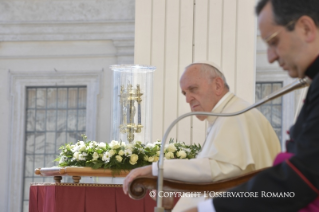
(120, 156)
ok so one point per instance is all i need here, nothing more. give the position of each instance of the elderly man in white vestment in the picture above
(234, 145)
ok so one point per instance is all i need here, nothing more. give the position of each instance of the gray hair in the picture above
(211, 71)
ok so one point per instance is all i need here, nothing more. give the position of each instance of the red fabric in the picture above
(149, 203)
(49, 206)
(40, 198)
(53, 198)
(100, 199)
(125, 203)
(33, 199)
(70, 198)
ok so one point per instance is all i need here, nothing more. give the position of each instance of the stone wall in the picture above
(55, 42)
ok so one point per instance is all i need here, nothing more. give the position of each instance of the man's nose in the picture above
(272, 55)
(189, 98)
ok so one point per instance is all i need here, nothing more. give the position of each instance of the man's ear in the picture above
(219, 86)
(307, 27)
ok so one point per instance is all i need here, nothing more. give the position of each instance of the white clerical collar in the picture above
(222, 100)
(211, 119)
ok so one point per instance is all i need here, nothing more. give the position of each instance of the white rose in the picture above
(158, 153)
(116, 146)
(121, 152)
(169, 155)
(150, 145)
(106, 157)
(171, 148)
(156, 158)
(112, 152)
(75, 149)
(129, 146)
(133, 159)
(92, 144)
(81, 157)
(123, 144)
(63, 159)
(128, 152)
(84, 154)
(181, 154)
(118, 158)
(82, 147)
(113, 142)
(95, 156)
(102, 145)
(146, 158)
(141, 150)
(76, 155)
(165, 147)
(81, 143)
(151, 159)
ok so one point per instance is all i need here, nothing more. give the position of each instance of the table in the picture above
(84, 197)
(76, 173)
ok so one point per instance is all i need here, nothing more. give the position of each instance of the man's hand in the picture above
(143, 171)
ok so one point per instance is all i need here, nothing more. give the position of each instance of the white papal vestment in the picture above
(234, 145)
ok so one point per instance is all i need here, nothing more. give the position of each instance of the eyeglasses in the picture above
(273, 35)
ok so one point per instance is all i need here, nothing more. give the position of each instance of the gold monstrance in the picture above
(128, 98)
(132, 103)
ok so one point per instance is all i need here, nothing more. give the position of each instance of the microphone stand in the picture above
(300, 83)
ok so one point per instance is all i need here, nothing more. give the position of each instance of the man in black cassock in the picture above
(291, 30)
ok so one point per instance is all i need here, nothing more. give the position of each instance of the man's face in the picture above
(283, 46)
(198, 89)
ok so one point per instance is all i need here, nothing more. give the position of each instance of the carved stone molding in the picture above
(62, 10)
(68, 30)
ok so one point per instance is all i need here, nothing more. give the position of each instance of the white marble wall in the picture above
(54, 39)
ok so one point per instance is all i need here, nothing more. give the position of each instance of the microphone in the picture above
(300, 83)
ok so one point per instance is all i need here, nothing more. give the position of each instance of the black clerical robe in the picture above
(298, 175)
